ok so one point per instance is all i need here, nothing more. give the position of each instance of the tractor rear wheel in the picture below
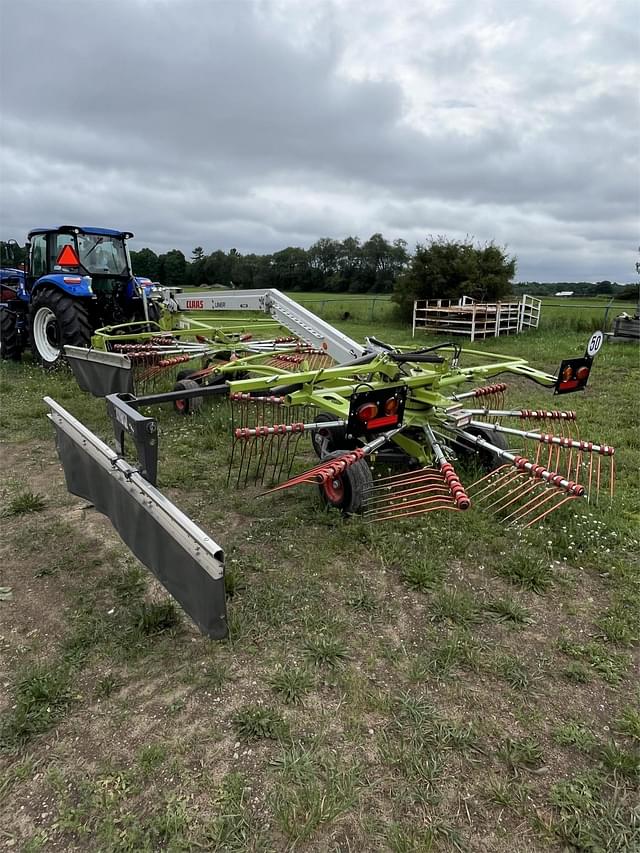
(57, 319)
(347, 491)
(187, 405)
(9, 338)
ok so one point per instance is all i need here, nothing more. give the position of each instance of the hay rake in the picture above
(394, 428)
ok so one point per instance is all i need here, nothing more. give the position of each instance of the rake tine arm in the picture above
(539, 472)
(522, 414)
(484, 391)
(447, 470)
(282, 429)
(547, 438)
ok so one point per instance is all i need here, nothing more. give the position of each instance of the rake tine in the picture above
(521, 489)
(537, 500)
(493, 485)
(261, 467)
(552, 509)
(421, 511)
(416, 477)
(398, 497)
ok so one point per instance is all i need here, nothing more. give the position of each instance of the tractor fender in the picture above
(73, 285)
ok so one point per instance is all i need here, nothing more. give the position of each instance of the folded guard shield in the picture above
(187, 562)
(99, 372)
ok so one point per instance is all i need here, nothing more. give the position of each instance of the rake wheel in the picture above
(487, 460)
(188, 405)
(347, 492)
(325, 441)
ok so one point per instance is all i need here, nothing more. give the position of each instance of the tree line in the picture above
(334, 266)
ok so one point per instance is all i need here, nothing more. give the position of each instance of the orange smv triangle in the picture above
(67, 257)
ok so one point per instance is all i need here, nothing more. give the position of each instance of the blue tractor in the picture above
(75, 281)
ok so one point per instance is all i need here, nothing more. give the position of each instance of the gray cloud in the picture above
(260, 124)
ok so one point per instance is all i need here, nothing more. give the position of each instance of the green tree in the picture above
(448, 269)
(172, 268)
(197, 254)
(145, 262)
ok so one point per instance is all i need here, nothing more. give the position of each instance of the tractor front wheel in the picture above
(347, 492)
(10, 347)
(57, 319)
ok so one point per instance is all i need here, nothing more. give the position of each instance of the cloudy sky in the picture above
(263, 124)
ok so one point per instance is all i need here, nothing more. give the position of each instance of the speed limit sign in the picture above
(595, 342)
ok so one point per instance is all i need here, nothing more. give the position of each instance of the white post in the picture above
(521, 313)
(415, 308)
(473, 322)
(497, 324)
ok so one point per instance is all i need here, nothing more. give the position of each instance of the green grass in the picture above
(24, 503)
(255, 723)
(508, 610)
(521, 753)
(575, 734)
(291, 684)
(526, 571)
(326, 651)
(42, 694)
(433, 684)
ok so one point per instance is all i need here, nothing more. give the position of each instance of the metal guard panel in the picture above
(100, 373)
(193, 575)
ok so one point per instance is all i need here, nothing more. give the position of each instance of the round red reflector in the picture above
(567, 374)
(367, 412)
(582, 373)
(391, 406)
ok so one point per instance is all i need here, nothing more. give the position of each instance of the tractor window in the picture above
(102, 254)
(59, 241)
(38, 255)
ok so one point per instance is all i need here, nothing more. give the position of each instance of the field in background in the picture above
(439, 684)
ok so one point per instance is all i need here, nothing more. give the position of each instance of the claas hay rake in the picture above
(395, 431)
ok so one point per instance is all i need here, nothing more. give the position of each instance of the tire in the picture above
(189, 405)
(326, 441)
(487, 460)
(347, 492)
(184, 374)
(57, 319)
(10, 347)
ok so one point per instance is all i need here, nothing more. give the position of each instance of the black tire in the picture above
(184, 374)
(57, 319)
(188, 405)
(487, 460)
(326, 441)
(347, 492)
(10, 347)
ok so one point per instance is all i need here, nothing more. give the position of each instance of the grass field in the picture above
(440, 684)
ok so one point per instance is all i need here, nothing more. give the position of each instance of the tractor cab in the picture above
(70, 251)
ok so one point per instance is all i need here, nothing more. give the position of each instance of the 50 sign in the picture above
(595, 342)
